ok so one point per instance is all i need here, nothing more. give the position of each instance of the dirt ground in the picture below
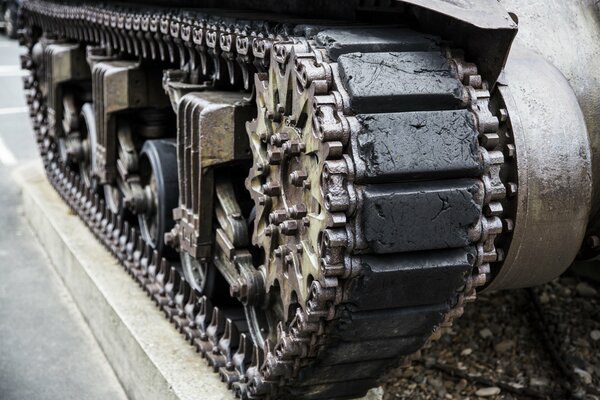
(520, 344)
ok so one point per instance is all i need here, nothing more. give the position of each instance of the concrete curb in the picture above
(149, 357)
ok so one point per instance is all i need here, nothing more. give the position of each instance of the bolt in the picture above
(275, 155)
(306, 184)
(510, 151)
(493, 209)
(271, 188)
(503, 115)
(244, 290)
(289, 227)
(333, 150)
(298, 178)
(490, 140)
(294, 147)
(474, 80)
(277, 217)
(509, 225)
(269, 230)
(279, 251)
(298, 211)
(512, 189)
(306, 221)
(279, 138)
(262, 200)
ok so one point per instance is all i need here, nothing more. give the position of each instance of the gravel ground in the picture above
(519, 344)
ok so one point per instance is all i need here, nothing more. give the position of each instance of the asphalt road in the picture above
(46, 349)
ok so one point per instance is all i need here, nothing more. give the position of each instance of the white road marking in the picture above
(13, 110)
(6, 156)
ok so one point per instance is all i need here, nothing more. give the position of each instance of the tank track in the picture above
(368, 308)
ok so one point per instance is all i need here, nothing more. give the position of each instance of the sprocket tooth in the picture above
(171, 289)
(181, 299)
(202, 322)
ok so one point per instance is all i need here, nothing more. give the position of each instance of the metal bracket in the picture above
(211, 132)
(64, 62)
(118, 86)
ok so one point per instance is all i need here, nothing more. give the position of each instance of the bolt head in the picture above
(512, 189)
(293, 147)
(298, 178)
(269, 230)
(275, 155)
(503, 115)
(279, 138)
(510, 151)
(289, 227)
(277, 217)
(298, 211)
(272, 188)
(278, 252)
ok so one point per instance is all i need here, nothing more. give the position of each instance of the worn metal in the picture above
(65, 67)
(280, 318)
(563, 24)
(210, 134)
(554, 172)
(389, 178)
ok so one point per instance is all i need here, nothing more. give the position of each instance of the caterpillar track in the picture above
(310, 202)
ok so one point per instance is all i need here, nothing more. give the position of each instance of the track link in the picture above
(408, 160)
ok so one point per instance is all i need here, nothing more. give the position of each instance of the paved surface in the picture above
(46, 349)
